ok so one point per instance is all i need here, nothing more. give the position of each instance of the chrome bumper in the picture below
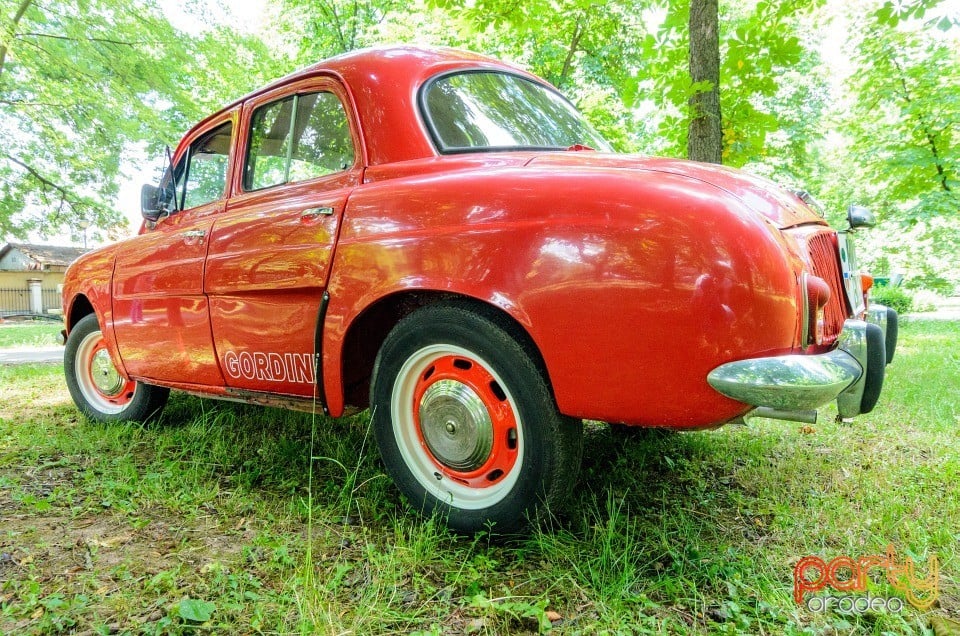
(805, 382)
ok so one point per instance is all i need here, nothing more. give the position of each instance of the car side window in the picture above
(297, 138)
(206, 173)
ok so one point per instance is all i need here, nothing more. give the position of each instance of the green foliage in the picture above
(873, 119)
(331, 27)
(80, 85)
(891, 14)
(761, 47)
(759, 43)
(686, 533)
(30, 333)
(897, 298)
(196, 610)
(896, 146)
(904, 123)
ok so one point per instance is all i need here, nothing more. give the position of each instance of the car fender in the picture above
(91, 277)
(666, 275)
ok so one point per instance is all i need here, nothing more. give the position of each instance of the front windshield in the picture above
(486, 110)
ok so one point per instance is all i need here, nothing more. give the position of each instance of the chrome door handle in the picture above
(312, 213)
(194, 234)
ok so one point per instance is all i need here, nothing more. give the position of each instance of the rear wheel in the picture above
(100, 390)
(466, 423)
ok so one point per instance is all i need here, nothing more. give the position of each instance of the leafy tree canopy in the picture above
(80, 83)
(854, 100)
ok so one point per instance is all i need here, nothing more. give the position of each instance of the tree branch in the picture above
(55, 59)
(69, 39)
(925, 126)
(39, 177)
(355, 25)
(23, 102)
(574, 47)
(331, 10)
(24, 5)
(66, 196)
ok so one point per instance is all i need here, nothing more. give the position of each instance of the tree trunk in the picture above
(704, 136)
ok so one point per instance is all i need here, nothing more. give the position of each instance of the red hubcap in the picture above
(105, 379)
(465, 422)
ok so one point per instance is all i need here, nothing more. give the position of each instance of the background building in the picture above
(31, 275)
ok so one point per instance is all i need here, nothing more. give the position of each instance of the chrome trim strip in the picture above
(805, 325)
(804, 417)
(850, 268)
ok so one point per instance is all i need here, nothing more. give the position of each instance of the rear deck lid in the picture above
(785, 209)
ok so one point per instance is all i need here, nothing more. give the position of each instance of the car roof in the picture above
(383, 83)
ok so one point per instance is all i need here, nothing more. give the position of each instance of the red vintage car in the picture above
(443, 239)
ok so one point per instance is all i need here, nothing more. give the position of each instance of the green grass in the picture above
(201, 523)
(33, 333)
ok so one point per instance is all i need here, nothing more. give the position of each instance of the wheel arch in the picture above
(80, 307)
(368, 330)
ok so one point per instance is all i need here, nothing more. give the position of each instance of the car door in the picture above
(269, 255)
(161, 315)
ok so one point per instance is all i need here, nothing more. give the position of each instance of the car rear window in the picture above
(487, 110)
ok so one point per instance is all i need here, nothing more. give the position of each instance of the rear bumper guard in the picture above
(852, 374)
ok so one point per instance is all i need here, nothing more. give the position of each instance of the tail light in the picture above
(816, 294)
(866, 283)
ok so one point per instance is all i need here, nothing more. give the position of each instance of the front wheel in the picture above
(466, 423)
(99, 389)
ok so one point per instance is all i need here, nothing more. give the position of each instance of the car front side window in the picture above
(298, 138)
(206, 173)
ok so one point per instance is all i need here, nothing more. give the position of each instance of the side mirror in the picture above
(150, 203)
(859, 216)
